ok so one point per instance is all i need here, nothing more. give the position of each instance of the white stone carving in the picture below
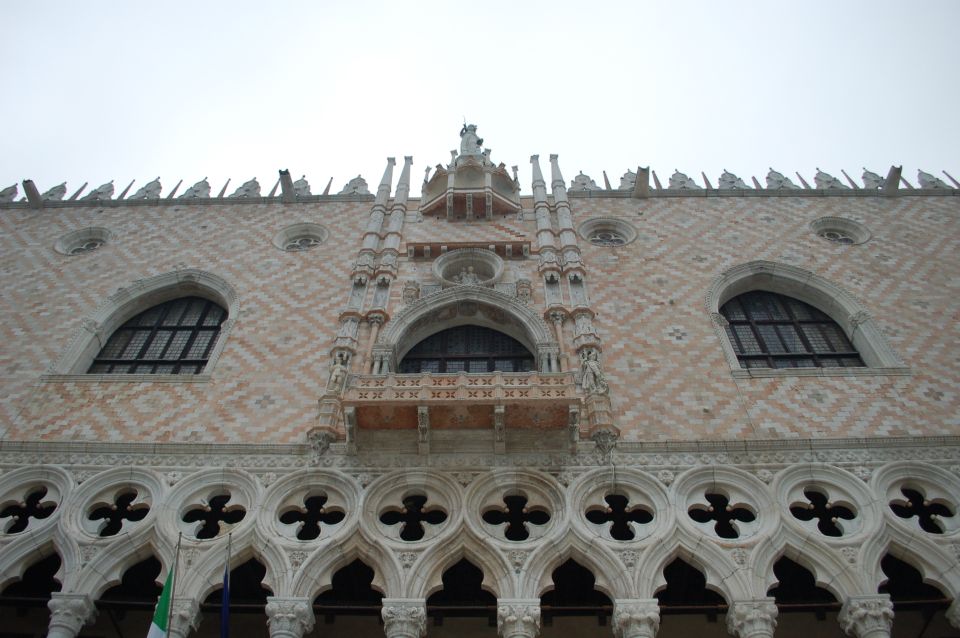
(636, 618)
(301, 187)
(356, 186)
(778, 181)
(679, 181)
(289, 617)
(404, 617)
(250, 188)
(9, 193)
(752, 618)
(628, 181)
(102, 192)
(149, 191)
(411, 291)
(867, 616)
(470, 142)
(583, 183)
(825, 181)
(69, 613)
(871, 181)
(200, 190)
(338, 373)
(184, 617)
(930, 182)
(56, 193)
(592, 378)
(729, 181)
(518, 618)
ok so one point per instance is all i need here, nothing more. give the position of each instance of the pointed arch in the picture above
(722, 575)
(441, 557)
(128, 301)
(464, 305)
(806, 286)
(315, 575)
(830, 571)
(612, 576)
(936, 567)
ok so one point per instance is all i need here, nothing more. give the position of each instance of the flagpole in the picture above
(225, 596)
(173, 583)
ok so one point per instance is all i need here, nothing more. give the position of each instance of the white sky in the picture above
(95, 91)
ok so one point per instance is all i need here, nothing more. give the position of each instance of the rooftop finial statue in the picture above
(470, 142)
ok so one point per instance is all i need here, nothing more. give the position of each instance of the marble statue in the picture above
(583, 183)
(871, 181)
(150, 191)
(56, 193)
(778, 181)
(250, 188)
(591, 374)
(730, 182)
(356, 186)
(826, 181)
(338, 374)
(929, 181)
(628, 181)
(200, 190)
(8, 194)
(102, 192)
(470, 143)
(301, 187)
(679, 181)
(467, 277)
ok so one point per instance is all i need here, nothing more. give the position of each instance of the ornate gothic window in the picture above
(768, 330)
(175, 337)
(467, 349)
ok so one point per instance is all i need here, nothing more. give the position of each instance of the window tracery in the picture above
(467, 349)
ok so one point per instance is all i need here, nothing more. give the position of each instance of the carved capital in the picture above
(289, 617)
(404, 617)
(953, 614)
(184, 618)
(518, 617)
(636, 618)
(867, 616)
(69, 613)
(752, 618)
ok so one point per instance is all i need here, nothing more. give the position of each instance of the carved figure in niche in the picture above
(930, 181)
(411, 292)
(584, 324)
(825, 181)
(470, 142)
(301, 187)
(348, 328)
(200, 190)
(249, 189)
(871, 181)
(591, 373)
(628, 181)
(356, 186)
(150, 191)
(524, 291)
(729, 181)
(583, 183)
(467, 277)
(104, 191)
(679, 181)
(338, 373)
(777, 181)
(56, 193)
(8, 194)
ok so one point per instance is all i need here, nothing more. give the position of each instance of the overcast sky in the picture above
(96, 91)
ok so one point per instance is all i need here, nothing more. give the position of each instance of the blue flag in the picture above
(225, 603)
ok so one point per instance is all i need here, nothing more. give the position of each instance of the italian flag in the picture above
(158, 628)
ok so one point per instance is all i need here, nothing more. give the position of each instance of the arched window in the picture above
(175, 337)
(467, 349)
(768, 330)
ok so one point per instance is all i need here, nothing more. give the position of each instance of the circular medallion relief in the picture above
(82, 241)
(607, 231)
(300, 237)
(468, 266)
(840, 230)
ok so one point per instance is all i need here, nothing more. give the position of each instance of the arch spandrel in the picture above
(463, 305)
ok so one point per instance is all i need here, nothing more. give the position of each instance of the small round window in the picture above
(82, 241)
(300, 237)
(607, 231)
(840, 230)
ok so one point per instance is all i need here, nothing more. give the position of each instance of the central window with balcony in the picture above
(468, 349)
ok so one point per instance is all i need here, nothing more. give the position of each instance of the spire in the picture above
(555, 176)
(403, 186)
(539, 186)
(383, 191)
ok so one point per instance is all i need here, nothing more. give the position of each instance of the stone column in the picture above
(375, 322)
(557, 319)
(636, 617)
(953, 614)
(404, 617)
(185, 617)
(69, 613)
(867, 616)
(518, 617)
(289, 617)
(752, 618)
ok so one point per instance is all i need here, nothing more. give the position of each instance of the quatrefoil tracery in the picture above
(516, 515)
(724, 515)
(123, 508)
(31, 507)
(620, 516)
(827, 513)
(929, 512)
(311, 515)
(213, 513)
(412, 516)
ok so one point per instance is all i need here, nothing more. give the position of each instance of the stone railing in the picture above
(495, 388)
